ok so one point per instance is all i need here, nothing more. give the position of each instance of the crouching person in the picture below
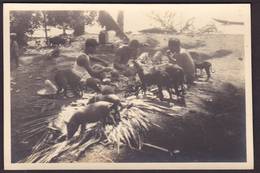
(84, 70)
(81, 76)
(182, 58)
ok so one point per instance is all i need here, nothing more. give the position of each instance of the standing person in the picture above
(14, 50)
(183, 59)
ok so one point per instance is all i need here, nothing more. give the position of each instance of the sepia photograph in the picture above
(127, 86)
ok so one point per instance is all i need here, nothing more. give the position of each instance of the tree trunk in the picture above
(64, 30)
(120, 20)
(79, 28)
(45, 27)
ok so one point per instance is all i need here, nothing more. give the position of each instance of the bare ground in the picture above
(210, 128)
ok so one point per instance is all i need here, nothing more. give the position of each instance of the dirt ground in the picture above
(210, 128)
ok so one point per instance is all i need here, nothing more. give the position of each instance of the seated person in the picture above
(178, 55)
(124, 54)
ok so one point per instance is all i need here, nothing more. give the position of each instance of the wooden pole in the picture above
(45, 27)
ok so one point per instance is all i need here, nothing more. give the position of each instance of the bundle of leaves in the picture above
(54, 147)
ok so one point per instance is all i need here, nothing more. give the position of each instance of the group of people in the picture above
(123, 54)
(84, 70)
(175, 54)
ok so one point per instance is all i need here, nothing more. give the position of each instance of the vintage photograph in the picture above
(127, 86)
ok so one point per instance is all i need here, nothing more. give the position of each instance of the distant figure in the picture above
(103, 37)
(125, 53)
(182, 58)
(14, 50)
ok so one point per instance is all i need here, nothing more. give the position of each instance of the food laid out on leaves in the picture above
(129, 131)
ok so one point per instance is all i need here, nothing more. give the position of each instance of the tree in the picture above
(45, 25)
(90, 17)
(166, 21)
(107, 21)
(79, 19)
(169, 22)
(120, 20)
(209, 28)
(77, 22)
(58, 19)
(188, 26)
(23, 23)
(70, 20)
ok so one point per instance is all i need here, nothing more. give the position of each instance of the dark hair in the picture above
(82, 60)
(90, 45)
(174, 42)
(134, 44)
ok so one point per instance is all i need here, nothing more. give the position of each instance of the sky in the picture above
(137, 16)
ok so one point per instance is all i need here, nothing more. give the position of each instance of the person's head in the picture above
(82, 60)
(13, 36)
(134, 45)
(90, 45)
(174, 45)
(114, 75)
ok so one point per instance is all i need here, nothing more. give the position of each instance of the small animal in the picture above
(156, 77)
(93, 84)
(112, 98)
(66, 78)
(56, 41)
(207, 66)
(95, 112)
(177, 77)
(107, 89)
(168, 77)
